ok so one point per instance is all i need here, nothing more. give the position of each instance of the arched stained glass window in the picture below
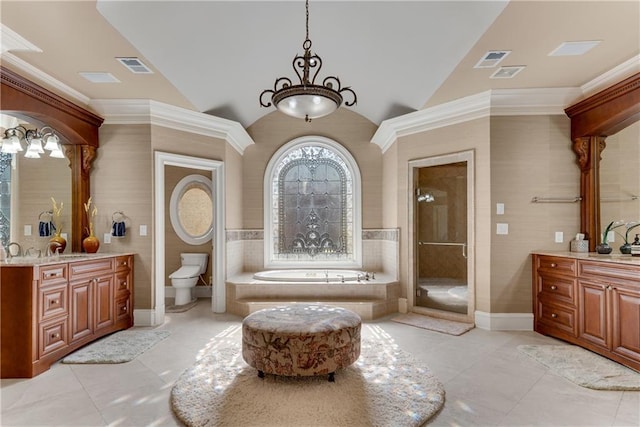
(314, 205)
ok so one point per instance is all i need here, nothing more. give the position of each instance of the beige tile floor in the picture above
(487, 380)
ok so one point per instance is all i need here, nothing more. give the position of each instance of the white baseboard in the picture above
(144, 317)
(504, 321)
(403, 305)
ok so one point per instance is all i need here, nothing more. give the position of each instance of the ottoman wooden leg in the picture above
(260, 374)
(332, 377)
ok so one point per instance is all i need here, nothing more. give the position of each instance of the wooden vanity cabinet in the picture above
(591, 303)
(48, 311)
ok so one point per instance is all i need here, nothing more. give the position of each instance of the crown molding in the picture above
(497, 102)
(27, 70)
(10, 40)
(447, 114)
(613, 76)
(143, 111)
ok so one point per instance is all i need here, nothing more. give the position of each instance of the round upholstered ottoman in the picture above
(301, 340)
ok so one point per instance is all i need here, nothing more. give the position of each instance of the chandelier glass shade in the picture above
(307, 100)
(17, 138)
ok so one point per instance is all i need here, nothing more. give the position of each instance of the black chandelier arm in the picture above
(355, 98)
(267, 104)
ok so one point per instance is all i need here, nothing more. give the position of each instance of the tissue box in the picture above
(579, 246)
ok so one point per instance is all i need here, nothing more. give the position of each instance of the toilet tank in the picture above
(198, 259)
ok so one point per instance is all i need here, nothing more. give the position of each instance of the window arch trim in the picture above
(270, 260)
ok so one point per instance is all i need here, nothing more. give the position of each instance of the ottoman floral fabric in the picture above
(301, 339)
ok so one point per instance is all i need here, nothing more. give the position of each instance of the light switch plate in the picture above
(143, 230)
(499, 208)
(559, 237)
(611, 236)
(502, 228)
(106, 238)
(27, 230)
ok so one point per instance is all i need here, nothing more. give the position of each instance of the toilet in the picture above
(186, 277)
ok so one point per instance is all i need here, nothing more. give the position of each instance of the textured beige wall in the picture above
(174, 245)
(233, 177)
(473, 135)
(350, 129)
(122, 180)
(390, 191)
(530, 156)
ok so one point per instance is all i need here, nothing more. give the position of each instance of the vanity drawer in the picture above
(559, 265)
(557, 288)
(92, 268)
(56, 273)
(123, 309)
(557, 317)
(123, 284)
(52, 336)
(123, 263)
(608, 270)
(52, 301)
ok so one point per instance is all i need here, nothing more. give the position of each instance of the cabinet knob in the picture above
(123, 284)
(54, 302)
(55, 335)
(554, 287)
(554, 265)
(124, 308)
(554, 315)
(609, 287)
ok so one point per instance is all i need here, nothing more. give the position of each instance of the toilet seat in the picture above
(186, 272)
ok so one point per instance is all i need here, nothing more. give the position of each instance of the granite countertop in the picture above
(593, 256)
(26, 261)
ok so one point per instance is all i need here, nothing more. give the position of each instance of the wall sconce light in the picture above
(15, 137)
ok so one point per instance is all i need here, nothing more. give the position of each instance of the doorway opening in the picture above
(441, 209)
(215, 168)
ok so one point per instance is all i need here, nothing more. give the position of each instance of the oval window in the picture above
(191, 209)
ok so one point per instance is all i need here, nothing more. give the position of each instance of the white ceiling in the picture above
(218, 56)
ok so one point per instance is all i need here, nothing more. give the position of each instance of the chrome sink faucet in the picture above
(56, 251)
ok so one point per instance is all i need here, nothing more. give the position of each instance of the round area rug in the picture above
(385, 387)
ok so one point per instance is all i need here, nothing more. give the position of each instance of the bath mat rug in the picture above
(119, 347)
(584, 367)
(385, 387)
(439, 325)
(181, 308)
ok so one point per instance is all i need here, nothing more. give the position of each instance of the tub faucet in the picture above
(10, 254)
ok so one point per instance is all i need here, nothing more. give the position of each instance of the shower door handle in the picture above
(464, 245)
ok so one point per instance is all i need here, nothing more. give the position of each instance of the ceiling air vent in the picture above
(492, 58)
(99, 77)
(507, 72)
(135, 65)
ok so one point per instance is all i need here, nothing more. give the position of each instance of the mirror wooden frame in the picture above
(592, 121)
(77, 127)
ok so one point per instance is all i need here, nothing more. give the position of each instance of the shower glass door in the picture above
(441, 233)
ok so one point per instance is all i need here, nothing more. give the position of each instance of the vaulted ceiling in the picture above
(218, 56)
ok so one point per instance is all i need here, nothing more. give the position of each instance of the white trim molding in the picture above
(10, 40)
(504, 321)
(216, 168)
(621, 72)
(498, 102)
(146, 111)
(447, 114)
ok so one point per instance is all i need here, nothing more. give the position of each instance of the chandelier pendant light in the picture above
(307, 100)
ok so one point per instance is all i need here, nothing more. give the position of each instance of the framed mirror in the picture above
(77, 127)
(593, 120)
